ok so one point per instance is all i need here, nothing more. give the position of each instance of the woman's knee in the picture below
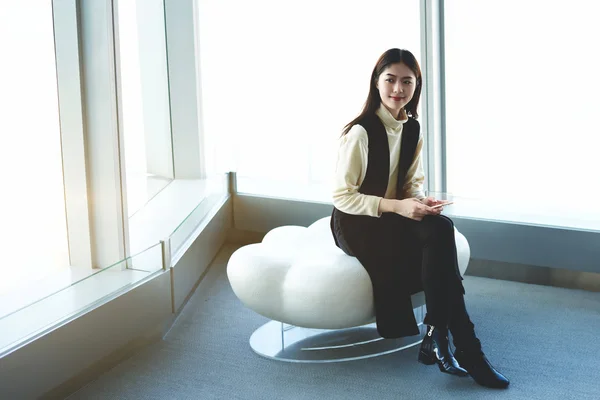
(437, 227)
(447, 219)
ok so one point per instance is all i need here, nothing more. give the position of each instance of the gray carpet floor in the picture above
(546, 340)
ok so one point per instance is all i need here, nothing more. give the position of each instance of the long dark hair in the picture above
(392, 56)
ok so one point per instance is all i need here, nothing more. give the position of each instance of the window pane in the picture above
(521, 94)
(281, 79)
(33, 206)
(144, 100)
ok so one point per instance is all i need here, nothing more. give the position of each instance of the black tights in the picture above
(440, 277)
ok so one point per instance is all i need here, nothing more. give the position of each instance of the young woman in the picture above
(382, 217)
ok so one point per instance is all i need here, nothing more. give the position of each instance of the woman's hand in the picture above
(415, 209)
(431, 201)
(410, 208)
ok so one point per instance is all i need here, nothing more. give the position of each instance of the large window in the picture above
(144, 100)
(145, 116)
(33, 205)
(521, 109)
(281, 79)
(86, 153)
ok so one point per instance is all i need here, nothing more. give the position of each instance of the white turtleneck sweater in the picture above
(352, 162)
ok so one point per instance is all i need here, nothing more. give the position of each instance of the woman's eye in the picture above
(408, 82)
(389, 80)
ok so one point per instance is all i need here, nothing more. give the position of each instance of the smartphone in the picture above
(443, 204)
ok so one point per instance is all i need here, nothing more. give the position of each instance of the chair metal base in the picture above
(283, 342)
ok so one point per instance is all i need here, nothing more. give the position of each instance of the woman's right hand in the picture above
(410, 208)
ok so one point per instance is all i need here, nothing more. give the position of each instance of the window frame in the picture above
(433, 121)
(70, 101)
(155, 104)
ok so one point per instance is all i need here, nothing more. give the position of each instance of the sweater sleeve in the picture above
(350, 172)
(415, 176)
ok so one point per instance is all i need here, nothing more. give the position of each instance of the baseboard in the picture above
(535, 274)
(89, 374)
(243, 237)
(190, 268)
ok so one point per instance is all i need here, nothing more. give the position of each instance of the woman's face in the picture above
(396, 86)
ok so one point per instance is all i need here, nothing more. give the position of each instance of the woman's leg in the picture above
(440, 264)
(444, 294)
(468, 347)
(439, 277)
(461, 326)
(439, 268)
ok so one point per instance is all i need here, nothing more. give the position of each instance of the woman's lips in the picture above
(397, 98)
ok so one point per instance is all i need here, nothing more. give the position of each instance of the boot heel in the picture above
(425, 358)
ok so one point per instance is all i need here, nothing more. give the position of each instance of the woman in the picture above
(382, 217)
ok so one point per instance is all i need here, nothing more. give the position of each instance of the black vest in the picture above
(378, 166)
(378, 172)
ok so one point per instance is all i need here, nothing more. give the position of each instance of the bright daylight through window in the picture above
(144, 100)
(33, 205)
(522, 109)
(277, 96)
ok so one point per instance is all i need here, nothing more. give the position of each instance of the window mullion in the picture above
(66, 40)
(107, 207)
(433, 125)
(155, 92)
(184, 89)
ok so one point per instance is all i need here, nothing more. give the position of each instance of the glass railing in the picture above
(529, 210)
(28, 312)
(213, 191)
(33, 312)
(302, 190)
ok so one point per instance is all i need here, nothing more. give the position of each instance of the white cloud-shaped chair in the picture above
(319, 298)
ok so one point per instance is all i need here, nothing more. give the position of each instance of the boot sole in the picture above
(425, 358)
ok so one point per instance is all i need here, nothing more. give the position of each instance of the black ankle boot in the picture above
(435, 349)
(479, 367)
